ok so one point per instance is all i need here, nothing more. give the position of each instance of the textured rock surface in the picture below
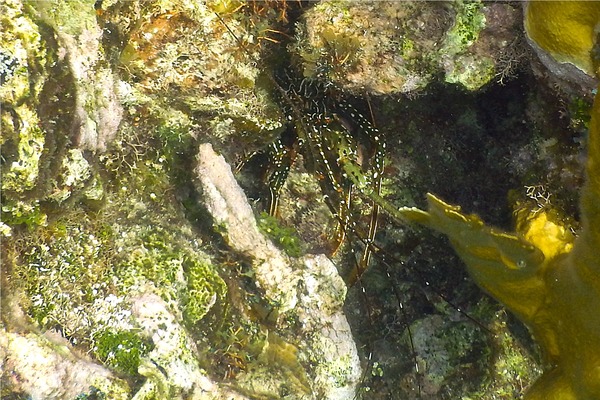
(308, 289)
(172, 368)
(49, 370)
(400, 47)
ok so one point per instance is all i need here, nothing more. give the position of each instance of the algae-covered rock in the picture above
(96, 112)
(400, 47)
(23, 50)
(307, 290)
(171, 369)
(184, 56)
(58, 100)
(461, 64)
(45, 369)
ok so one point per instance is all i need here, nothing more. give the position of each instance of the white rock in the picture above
(310, 286)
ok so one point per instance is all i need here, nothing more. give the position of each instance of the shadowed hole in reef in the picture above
(455, 144)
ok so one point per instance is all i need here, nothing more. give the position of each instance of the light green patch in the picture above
(5, 230)
(407, 48)
(120, 350)
(71, 17)
(22, 173)
(470, 71)
(462, 65)
(284, 237)
(75, 172)
(96, 189)
(19, 212)
(157, 385)
(204, 289)
(178, 275)
(468, 22)
(340, 369)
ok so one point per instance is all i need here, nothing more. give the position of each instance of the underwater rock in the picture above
(186, 57)
(308, 290)
(75, 172)
(96, 110)
(228, 205)
(171, 368)
(441, 346)
(59, 103)
(44, 369)
(399, 47)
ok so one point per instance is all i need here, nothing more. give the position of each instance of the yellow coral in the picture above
(546, 232)
(565, 29)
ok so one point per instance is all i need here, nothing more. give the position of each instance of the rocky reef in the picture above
(408, 44)
(191, 197)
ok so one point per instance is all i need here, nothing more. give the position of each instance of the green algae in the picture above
(470, 70)
(285, 238)
(74, 174)
(16, 213)
(205, 287)
(42, 169)
(72, 17)
(182, 274)
(79, 270)
(23, 141)
(468, 22)
(119, 349)
(22, 175)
